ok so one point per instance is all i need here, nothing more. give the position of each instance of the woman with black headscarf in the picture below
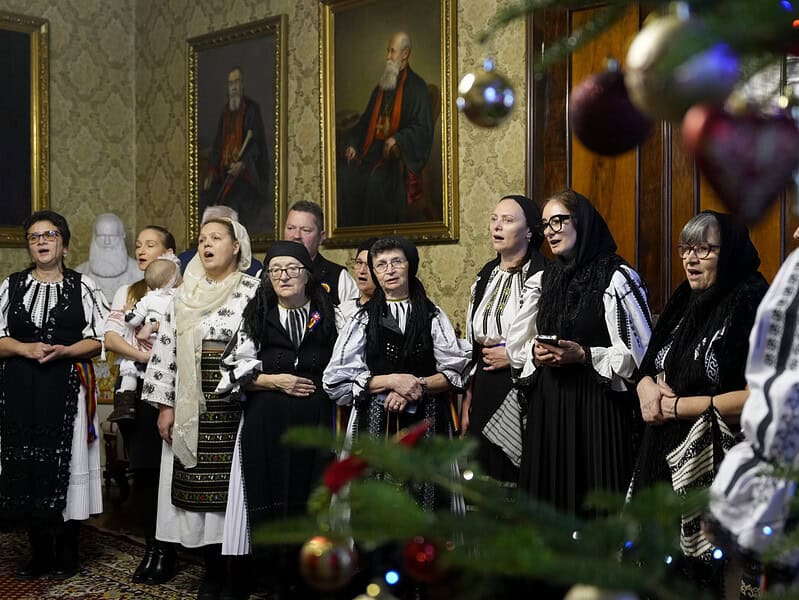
(274, 364)
(580, 419)
(697, 354)
(397, 356)
(490, 410)
(284, 343)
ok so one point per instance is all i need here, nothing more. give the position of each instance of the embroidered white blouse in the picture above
(627, 324)
(347, 375)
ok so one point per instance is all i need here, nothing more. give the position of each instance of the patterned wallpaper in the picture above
(491, 162)
(92, 116)
(118, 121)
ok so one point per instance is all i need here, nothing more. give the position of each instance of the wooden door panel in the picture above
(610, 182)
(645, 195)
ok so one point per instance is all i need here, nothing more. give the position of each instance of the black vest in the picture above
(62, 326)
(328, 273)
(279, 355)
(389, 359)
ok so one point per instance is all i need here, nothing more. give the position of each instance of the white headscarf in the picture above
(198, 297)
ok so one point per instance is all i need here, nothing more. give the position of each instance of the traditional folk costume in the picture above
(581, 417)
(749, 502)
(700, 344)
(364, 350)
(276, 479)
(495, 417)
(50, 462)
(183, 373)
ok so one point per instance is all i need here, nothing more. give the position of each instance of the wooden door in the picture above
(646, 195)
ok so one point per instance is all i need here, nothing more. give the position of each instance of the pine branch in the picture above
(750, 27)
(507, 533)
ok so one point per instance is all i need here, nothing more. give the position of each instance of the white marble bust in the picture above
(109, 264)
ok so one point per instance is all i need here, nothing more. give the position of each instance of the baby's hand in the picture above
(146, 331)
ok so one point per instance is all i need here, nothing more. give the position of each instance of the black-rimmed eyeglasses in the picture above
(49, 236)
(701, 251)
(555, 222)
(277, 272)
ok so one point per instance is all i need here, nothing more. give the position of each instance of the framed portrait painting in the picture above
(24, 127)
(236, 119)
(388, 120)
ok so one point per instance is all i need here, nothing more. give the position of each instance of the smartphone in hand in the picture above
(549, 340)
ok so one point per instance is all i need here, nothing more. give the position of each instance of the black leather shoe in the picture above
(234, 590)
(65, 571)
(238, 579)
(66, 563)
(209, 590)
(36, 568)
(143, 570)
(163, 564)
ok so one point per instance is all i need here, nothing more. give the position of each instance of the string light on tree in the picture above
(420, 559)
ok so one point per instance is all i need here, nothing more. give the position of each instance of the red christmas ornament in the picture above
(748, 159)
(410, 436)
(602, 116)
(341, 472)
(327, 565)
(420, 560)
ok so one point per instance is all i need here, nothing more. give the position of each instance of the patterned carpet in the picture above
(107, 561)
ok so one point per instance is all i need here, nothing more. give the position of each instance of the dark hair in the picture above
(255, 313)
(417, 330)
(56, 219)
(532, 216)
(167, 239)
(384, 245)
(567, 198)
(229, 225)
(313, 208)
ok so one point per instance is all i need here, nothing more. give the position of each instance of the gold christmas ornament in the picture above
(327, 564)
(485, 96)
(673, 64)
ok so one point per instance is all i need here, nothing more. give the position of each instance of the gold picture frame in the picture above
(253, 135)
(368, 192)
(25, 127)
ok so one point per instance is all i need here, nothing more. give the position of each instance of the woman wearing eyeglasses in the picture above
(697, 354)
(580, 412)
(275, 365)
(51, 324)
(397, 357)
(363, 280)
(491, 410)
(199, 426)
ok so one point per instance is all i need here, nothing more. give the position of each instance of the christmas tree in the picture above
(505, 536)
